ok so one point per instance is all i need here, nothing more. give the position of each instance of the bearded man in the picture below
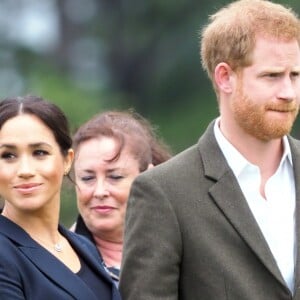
(221, 220)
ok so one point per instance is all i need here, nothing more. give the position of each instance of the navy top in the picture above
(92, 281)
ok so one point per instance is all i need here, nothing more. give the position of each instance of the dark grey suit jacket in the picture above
(190, 234)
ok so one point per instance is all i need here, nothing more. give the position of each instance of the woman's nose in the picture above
(101, 189)
(25, 168)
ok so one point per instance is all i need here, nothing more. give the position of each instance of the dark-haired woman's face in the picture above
(31, 165)
(103, 186)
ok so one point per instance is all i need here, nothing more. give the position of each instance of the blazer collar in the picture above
(227, 195)
(51, 266)
(295, 150)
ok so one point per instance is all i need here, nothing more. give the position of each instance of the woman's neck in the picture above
(34, 224)
(111, 252)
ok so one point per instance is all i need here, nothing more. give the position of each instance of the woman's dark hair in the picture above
(127, 128)
(50, 114)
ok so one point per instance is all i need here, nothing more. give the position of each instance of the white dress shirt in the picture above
(274, 214)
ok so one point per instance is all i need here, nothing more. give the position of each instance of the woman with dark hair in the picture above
(40, 259)
(111, 149)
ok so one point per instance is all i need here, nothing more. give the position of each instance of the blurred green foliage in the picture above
(124, 54)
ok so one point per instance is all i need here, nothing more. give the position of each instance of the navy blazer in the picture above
(28, 271)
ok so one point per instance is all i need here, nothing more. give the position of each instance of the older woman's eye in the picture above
(87, 178)
(116, 177)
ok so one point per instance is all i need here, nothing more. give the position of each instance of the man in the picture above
(221, 220)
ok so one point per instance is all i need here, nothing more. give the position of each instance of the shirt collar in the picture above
(235, 159)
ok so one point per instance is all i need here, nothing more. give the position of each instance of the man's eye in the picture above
(295, 74)
(274, 75)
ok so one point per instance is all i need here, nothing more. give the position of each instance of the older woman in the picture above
(111, 149)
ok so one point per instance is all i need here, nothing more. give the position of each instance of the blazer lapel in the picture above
(57, 272)
(295, 149)
(88, 251)
(228, 196)
(90, 254)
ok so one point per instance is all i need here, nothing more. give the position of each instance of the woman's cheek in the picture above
(84, 196)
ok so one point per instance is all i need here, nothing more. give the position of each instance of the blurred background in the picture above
(92, 55)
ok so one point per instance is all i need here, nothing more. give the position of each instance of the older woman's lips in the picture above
(103, 209)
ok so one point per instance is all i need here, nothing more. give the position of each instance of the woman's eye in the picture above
(40, 152)
(8, 155)
(116, 177)
(87, 178)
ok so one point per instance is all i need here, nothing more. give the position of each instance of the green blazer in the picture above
(190, 234)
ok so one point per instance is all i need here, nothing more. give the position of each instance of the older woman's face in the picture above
(102, 187)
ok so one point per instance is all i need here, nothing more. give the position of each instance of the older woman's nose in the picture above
(101, 189)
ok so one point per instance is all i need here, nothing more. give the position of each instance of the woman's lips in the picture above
(27, 188)
(104, 209)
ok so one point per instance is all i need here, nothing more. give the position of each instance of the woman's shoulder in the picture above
(10, 256)
(6, 243)
(9, 237)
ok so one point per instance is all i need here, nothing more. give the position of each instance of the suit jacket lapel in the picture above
(227, 195)
(295, 149)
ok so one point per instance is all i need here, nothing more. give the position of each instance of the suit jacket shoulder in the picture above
(202, 161)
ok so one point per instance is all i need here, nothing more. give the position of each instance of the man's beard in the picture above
(259, 121)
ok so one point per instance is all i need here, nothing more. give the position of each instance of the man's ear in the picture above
(224, 77)
(150, 166)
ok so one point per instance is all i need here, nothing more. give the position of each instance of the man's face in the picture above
(266, 100)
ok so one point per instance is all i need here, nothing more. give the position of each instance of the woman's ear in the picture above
(223, 77)
(68, 161)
